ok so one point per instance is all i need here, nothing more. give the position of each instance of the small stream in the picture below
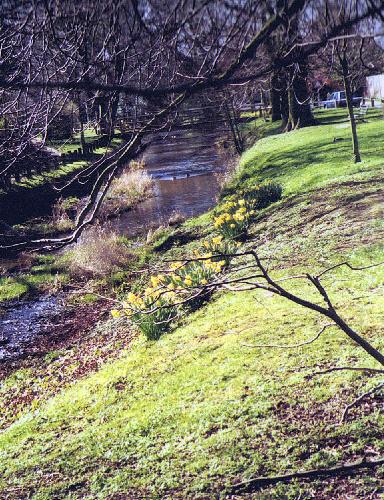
(23, 322)
(184, 165)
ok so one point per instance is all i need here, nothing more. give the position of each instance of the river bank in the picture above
(183, 168)
(205, 398)
(35, 196)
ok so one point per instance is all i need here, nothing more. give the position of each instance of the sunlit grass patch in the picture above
(204, 407)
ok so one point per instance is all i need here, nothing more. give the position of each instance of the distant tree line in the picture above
(133, 58)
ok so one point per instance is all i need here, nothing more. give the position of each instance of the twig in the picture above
(347, 264)
(258, 482)
(357, 400)
(292, 346)
(340, 368)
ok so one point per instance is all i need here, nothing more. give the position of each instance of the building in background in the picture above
(375, 87)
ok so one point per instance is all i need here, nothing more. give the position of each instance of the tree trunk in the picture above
(231, 118)
(300, 113)
(293, 114)
(275, 98)
(284, 107)
(82, 120)
(349, 99)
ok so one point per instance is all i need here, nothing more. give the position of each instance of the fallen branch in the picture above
(357, 400)
(259, 482)
(292, 346)
(352, 268)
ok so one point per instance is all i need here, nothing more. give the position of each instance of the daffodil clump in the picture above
(153, 311)
(221, 248)
(184, 284)
(262, 195)
(192, 279)
(235, 219)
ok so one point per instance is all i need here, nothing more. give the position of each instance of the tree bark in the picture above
(349, 99)
(300, 113)
(284, 107)
(231, 118)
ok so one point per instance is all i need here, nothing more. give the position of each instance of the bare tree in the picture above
(137, 61)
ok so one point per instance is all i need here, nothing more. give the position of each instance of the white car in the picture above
(338, 100)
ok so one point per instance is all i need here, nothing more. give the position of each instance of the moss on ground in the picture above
(200, 409)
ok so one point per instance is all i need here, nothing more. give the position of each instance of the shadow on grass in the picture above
(298, 162)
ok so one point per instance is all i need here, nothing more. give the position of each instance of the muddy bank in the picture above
(80, 344)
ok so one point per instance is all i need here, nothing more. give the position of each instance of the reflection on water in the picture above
(183, 164)
(188, 196)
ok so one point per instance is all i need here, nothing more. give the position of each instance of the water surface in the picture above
(184, 165)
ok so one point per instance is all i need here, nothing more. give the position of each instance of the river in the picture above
(184, 165)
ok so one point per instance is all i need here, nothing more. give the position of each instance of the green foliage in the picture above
(200, 409)
(262, 195)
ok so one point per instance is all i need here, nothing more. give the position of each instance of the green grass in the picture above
(69, 167)
(198, 410)
(73, 143)
(307, 159)
(44, 274)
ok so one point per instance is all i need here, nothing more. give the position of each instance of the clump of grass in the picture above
(100, 252)
(133, 186)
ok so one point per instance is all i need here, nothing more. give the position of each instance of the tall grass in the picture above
(133, 186)
(99, 253)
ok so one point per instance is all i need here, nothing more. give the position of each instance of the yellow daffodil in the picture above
(217, 240)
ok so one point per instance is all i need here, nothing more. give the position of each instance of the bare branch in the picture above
(292, 346)
(356, 401)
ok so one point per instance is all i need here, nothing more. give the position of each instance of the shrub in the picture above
(99, 253)
(262, 195)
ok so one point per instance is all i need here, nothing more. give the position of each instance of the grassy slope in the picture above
(199, 410)
(69, 167)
